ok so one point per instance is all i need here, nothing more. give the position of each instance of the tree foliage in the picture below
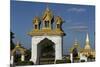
(11, 41)
(28, 55)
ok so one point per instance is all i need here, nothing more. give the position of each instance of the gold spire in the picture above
(47, 14)
(75, 45)
(76, 42)
(47, 9)
(87, 50)
(87, 44)
(47, 19)
(58, 20)
(36, 20)
(17, 45)
(87, 38)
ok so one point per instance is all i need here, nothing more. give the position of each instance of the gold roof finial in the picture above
(18, 44)
(47, 15)
(47, 8)
(36, 19)
(58, 19)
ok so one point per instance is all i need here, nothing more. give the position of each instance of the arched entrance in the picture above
(46, 51)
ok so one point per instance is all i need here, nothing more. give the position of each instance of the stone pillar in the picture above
(12, 60)
(71, 57)
(58, 48)
(22, 57)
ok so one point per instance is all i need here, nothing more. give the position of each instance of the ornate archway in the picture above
(18, 50)
(46, 30)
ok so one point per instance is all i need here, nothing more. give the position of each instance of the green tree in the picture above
(11, 41)
(28, 54)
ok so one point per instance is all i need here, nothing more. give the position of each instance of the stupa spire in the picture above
(47, 8)
(76, 42)
(17, 45)
(87, 44)
(87, 38)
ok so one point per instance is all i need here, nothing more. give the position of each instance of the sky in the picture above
(78, 21)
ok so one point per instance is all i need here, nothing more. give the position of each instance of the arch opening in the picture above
(46, 51)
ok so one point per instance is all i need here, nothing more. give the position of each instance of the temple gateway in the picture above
(46, 28)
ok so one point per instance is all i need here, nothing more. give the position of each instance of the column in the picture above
(58, 49)
(34, 54)
(71, 57)
(22, 57)
(12, 60)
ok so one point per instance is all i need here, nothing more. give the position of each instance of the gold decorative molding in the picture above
(46, 32)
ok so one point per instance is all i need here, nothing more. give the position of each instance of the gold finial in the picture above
(36, 19)
(47, 15)
(47, 8)
(58, 19)
(18, 44)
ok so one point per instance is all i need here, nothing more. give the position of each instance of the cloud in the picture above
(76, 9)
(80, 28)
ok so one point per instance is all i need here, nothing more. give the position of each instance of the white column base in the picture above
(12, 60)
(22, 57)
(83, 58)
(71, 57)
(58, 48)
